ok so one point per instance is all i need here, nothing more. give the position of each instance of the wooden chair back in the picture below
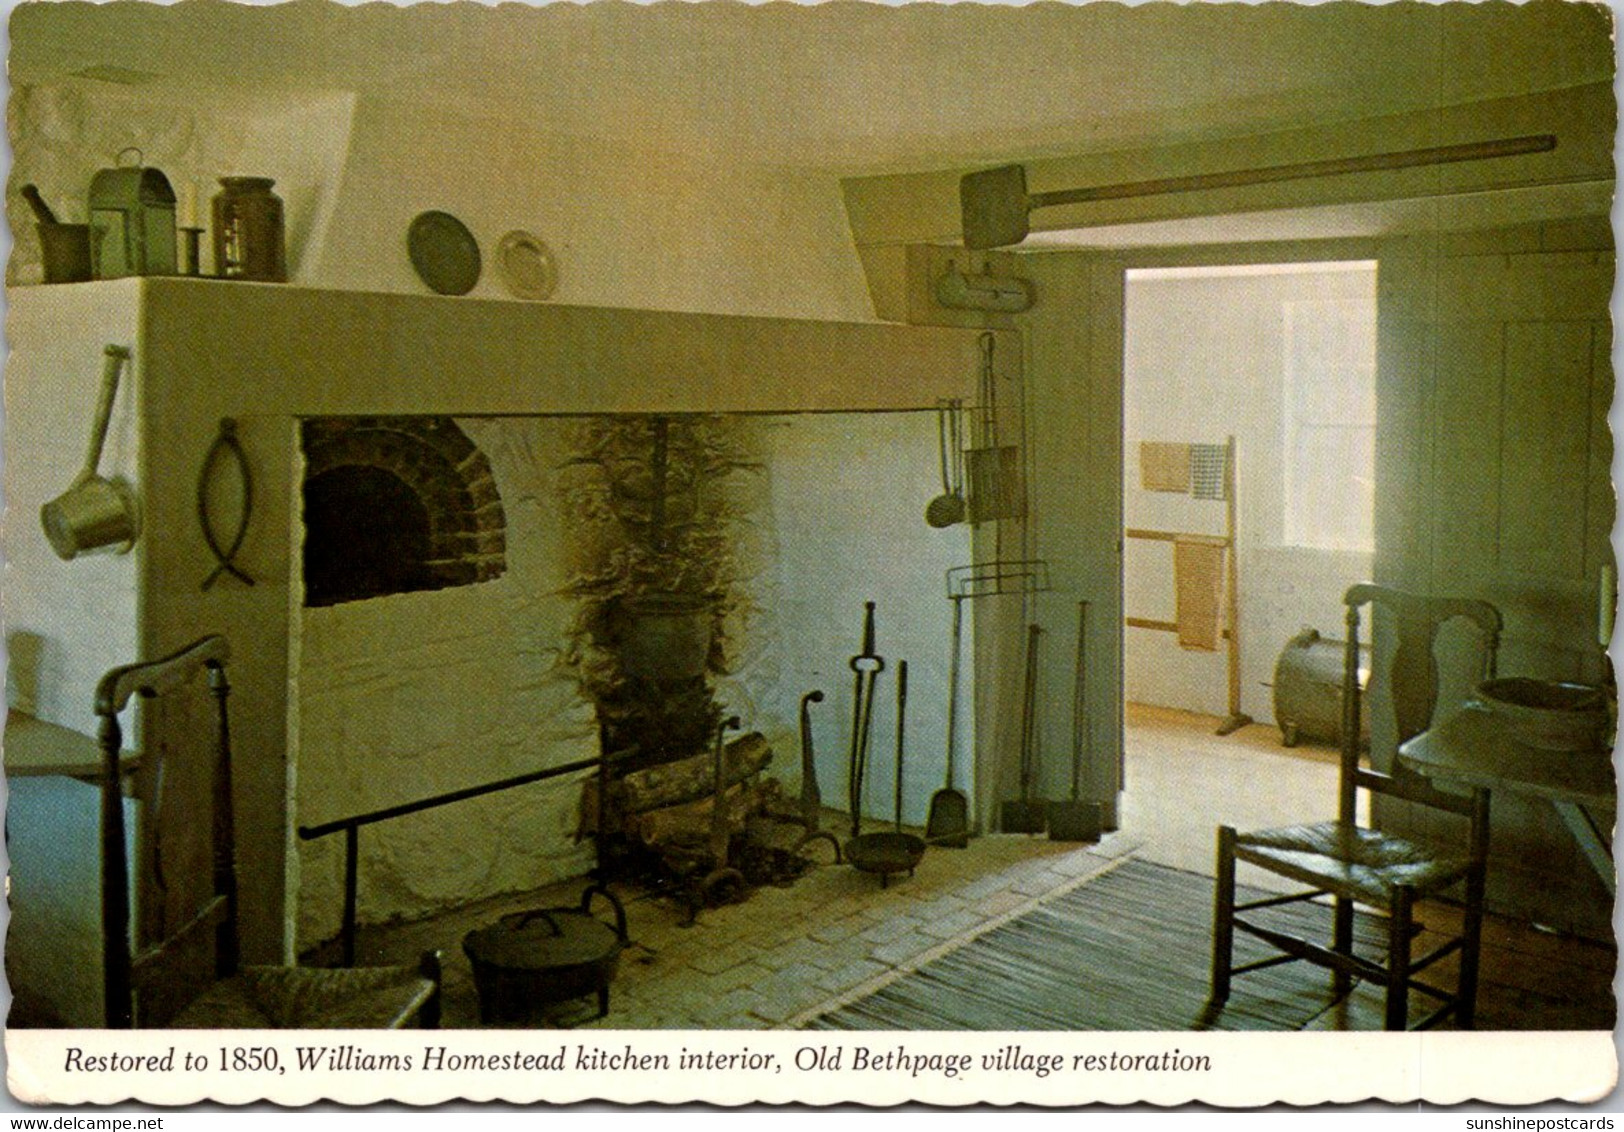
(188, 881)
(1407, 679)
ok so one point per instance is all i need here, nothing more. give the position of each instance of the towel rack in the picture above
(1215, 485)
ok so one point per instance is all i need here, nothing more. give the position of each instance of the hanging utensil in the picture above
(1077, 820)
(996, 490)
(891, 851)
(225, 443)
(946, 509)
(960, 432)
(95, 512)
(948, 822)
(1027, 816)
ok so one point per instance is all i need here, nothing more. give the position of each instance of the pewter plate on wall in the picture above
(527, 266)
(444, 253)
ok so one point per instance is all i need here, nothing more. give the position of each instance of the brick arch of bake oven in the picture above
(441, 467)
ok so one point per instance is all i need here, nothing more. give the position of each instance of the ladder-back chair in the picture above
(191, 976)
(1354, 864)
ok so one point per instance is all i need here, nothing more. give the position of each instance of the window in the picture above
(1330, 422)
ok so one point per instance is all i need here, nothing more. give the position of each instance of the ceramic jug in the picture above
(248, 240)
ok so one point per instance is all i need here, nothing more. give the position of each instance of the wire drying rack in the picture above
(1000, 576)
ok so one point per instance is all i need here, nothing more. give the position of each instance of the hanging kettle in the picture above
(95, 512)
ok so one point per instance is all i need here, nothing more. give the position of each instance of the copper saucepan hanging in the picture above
(95, 513)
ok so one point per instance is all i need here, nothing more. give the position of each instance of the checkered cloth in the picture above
(1209, 468)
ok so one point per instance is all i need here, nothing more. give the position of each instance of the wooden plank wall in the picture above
(1494, 478)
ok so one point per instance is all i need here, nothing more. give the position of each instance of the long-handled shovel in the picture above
(948, 821)
(1077, 820)
(1027, 816)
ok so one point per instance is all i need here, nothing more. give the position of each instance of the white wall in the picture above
(630, 226)
(66, 622)
(1495, 476)
(1205, 358)
(848, 500)
(63, 134)
(414, 694)
(635, 227)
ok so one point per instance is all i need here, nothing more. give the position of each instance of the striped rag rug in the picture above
(1129, 950)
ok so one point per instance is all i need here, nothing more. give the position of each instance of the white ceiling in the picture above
(847, 87)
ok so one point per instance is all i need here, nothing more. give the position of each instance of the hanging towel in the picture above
(1163, 466)
(1198, 576)
(1209, 471)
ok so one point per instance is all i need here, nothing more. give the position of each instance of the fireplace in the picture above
(657, 509)
(655, 574)
(367, 703)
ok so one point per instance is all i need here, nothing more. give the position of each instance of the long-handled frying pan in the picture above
(995, 203)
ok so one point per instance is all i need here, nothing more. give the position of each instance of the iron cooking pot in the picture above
(528, 961)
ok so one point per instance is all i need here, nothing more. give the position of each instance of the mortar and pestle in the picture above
(64, 248)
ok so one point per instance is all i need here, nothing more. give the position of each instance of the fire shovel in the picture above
(1077, 820)
(1026, 815)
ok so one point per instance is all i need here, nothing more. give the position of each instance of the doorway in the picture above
(1248, 496)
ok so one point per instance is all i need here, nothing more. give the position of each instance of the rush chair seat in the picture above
(179, 965)
(1354, 864)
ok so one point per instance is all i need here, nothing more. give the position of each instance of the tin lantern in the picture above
(132, 221)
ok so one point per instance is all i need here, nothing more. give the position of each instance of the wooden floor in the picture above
(1184, 780)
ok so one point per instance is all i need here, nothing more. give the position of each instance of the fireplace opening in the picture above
(395, 505)
(663, 572)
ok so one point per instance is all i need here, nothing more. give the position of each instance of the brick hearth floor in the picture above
(781, 953)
